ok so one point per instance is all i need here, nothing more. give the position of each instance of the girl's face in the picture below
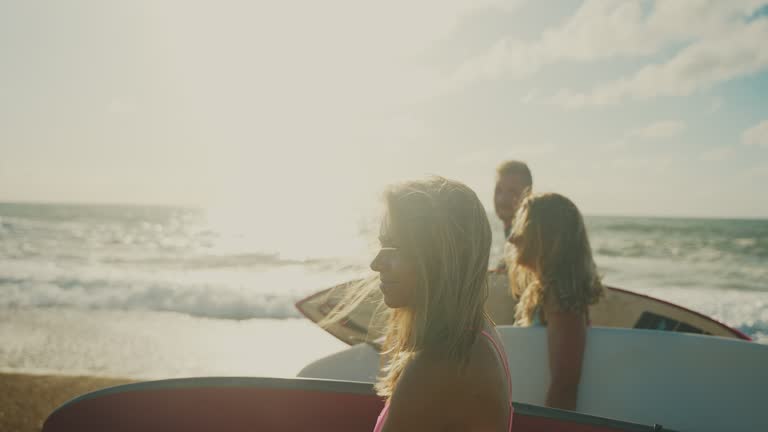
(521, 238)
(399, 278)
(526, 255)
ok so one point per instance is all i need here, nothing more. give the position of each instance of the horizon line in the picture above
(204, 207)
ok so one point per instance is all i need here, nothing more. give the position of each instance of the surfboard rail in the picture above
(239, 404)
(738, 334)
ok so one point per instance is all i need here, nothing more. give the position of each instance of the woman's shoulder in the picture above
(487, 355)
(433, 369)
(427, 395)
(447, 375)
(437, 390)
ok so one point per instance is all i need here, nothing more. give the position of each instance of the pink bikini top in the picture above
(383, 415)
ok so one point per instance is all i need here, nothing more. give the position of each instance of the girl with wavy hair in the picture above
(556, 280)
(444, 367)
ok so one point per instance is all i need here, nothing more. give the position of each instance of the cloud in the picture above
(715, 106)
(648, 164)
(658, 130)
(717, 154)
(698, 66)
(602, 29)
(531, 150)
(529, 97)
(581, 38)
(475, 158)
(757, 174)
(491, 157)
(120, 106)
(756, 135)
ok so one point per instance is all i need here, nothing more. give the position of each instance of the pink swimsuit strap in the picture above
(503, 356)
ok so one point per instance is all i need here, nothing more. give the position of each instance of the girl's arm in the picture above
(566, 337)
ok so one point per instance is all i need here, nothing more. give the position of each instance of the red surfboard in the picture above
(269, 404)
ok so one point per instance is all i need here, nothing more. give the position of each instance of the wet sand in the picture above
(26, 400)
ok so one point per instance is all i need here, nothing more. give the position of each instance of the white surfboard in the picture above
(685, 382)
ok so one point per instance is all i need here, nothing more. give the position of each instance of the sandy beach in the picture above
(26, 400)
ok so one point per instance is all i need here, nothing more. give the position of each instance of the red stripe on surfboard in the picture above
(735, 332)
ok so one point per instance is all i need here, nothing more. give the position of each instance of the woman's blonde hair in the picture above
(557, 266)
(443, 230)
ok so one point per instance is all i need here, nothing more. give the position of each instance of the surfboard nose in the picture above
(221, 404)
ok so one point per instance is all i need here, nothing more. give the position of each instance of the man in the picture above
(513, 183)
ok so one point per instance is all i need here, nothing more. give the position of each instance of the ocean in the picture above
(160, 292)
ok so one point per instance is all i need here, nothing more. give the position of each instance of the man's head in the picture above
(513, 183)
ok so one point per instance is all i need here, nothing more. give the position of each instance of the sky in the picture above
(308, 108)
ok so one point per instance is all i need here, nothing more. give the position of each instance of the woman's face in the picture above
(523, 243)
(525, 257)
(398, 275)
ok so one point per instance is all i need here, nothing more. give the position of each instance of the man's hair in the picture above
(515, 167)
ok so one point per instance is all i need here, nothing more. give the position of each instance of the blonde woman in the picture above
(445, 368)
(555, 279)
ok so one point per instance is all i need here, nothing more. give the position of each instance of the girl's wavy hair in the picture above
(443, 231)
(551, 239)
